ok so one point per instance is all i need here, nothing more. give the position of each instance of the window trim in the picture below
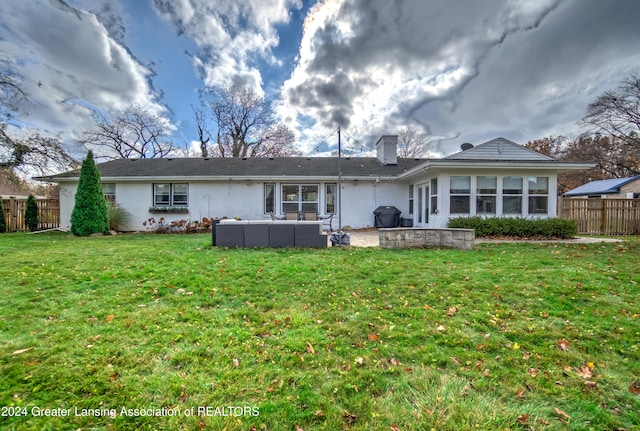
(172, 201)
(460, 195)
(300, 202)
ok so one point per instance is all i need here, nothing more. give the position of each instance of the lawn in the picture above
(164, 332)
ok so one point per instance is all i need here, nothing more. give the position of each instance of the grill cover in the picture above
(386, 216)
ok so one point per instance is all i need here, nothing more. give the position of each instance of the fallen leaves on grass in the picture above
(236, 362)
(452, 311)
(17, 352)
(373, 337)
(634, 387)
(109, 318)
(584, 372)
(563, 344)
(310, 349)
(523, 419)
(562, 414)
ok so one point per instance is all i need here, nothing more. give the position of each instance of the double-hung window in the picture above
(168, 194)
(434, 196)
(486, 192)
(538, 195)
(512, 195)
(269, 198)
(299, 198)
(460, 195)
(330, 198)
(109, 191)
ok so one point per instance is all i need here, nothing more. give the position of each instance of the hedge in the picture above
(516, 227)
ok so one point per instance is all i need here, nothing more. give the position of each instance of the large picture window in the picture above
(171, 195)
(299, 198)
(486, 192)
(460, 195)
(538, 195)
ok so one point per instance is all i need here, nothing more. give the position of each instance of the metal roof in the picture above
(601, 187)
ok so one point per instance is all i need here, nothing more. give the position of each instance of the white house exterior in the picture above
(496, 178)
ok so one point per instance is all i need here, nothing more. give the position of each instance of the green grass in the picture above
(353, 338)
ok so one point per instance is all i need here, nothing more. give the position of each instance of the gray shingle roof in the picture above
(249, 167)
(499, 149)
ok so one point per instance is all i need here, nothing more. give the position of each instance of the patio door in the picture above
(423, 204)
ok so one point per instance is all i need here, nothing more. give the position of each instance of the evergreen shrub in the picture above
(518, 227)
(31, 214)
(90, 214)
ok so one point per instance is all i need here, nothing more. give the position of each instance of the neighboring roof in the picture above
(601, 187)
(499, 149)
(247, 168)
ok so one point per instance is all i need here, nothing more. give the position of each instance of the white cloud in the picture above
(463, 70)
(232, 36)
(69, 62)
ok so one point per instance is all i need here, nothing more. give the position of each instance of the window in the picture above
(434, 196)
(538, 195)
(512, 195)
(109, 191)
(460, 191)
(486, 191)
(171, 195)
(411, 199)
(269, 198)
(330, 198)
(299, 198)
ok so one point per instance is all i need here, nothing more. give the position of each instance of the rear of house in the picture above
(492, 179)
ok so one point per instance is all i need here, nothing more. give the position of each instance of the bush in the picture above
(31, 214)
(516, 227)
(3, 218)
(118, 216)
(90, 214)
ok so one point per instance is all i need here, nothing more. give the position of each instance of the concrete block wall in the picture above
(463, 239)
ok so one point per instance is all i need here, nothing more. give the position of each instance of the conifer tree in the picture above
(3, 219)
(31, 214)
(90, 213)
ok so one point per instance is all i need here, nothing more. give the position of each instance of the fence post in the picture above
(13, 214)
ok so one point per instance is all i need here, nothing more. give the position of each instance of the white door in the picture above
(423, 205)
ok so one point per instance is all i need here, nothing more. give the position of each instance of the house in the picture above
(613, 188)
(496, 178)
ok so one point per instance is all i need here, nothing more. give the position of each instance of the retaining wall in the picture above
(463, 239)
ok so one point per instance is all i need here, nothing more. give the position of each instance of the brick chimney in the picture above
(387, 150)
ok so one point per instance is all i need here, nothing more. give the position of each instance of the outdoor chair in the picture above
(330, 218)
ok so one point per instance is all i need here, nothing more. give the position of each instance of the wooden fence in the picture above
(602, 216)
(48, 213)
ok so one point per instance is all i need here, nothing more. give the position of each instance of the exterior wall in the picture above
(360, 199)
(241, 199)
(245, 199)
(632, 187)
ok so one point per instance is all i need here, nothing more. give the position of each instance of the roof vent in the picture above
(466, 146)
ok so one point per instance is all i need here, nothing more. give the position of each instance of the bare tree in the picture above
(32, 154)
(411, 143)
(132, 132)
(204, 136)
(246, 127)
(617, 113)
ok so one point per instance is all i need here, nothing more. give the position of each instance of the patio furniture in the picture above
(264, 233)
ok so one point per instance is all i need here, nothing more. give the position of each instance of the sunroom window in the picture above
(460, 192)
(538, 195)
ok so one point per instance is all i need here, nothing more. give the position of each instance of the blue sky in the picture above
(464, 71)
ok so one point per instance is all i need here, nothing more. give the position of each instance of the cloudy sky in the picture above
(461, 71)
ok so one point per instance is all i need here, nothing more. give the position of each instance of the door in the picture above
(423, 204)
